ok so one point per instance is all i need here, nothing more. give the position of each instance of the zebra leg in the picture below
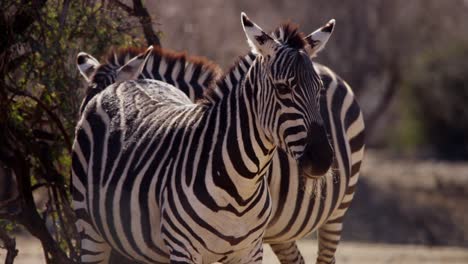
(93, 247)
(329, 236)
(248, 255)
(288, 253)
(256, 254)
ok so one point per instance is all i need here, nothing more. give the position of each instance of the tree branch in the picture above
(63, 15)
(29, 217)
(10, 246)
(146, 22)
(125, 7)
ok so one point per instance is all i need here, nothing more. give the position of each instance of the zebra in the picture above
(158, 178)
(320, 205)
(344, 121)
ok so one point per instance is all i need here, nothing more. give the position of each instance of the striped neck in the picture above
(245, 151)
(230, 80)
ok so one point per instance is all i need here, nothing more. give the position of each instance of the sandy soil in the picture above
(363, 253)
(349, 253)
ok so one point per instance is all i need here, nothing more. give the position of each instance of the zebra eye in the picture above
(282, 88)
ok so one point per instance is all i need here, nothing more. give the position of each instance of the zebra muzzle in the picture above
(318, 155)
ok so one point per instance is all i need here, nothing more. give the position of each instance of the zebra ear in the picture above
(316, 41)
(259, 41)
(133, 67)
(87, 65)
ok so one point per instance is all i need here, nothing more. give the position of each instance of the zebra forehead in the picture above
(295, 60)
(288, 34)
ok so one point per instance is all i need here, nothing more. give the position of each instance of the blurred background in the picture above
(407, 62)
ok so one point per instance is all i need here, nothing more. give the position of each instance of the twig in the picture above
(146, 22)
(63, 16)
(10, 245)
(125, 7)
(60, 213)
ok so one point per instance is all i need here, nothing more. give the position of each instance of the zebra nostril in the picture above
(318, 155)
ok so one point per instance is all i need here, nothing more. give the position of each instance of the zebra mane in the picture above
(228, 80)
(117, 57)
(288, 34)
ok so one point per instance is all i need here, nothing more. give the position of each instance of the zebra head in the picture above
(287, 104)
(99, 76)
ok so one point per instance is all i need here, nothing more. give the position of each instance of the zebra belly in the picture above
(147, 229)
(299, 205)
(216, 235)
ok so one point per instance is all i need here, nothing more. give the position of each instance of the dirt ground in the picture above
(349, 253)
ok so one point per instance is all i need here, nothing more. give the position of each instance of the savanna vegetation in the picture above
(39, 99)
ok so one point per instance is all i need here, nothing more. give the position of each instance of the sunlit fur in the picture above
(156, 177)
(344, 125)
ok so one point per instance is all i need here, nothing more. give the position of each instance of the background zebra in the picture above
(115, 139)
(343, 118)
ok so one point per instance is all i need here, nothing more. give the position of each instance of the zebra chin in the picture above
(316, 166)
(312, 172)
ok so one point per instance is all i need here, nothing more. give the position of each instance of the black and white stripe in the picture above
(300, 208)
(303, 206)
(158, 178)
(291, 197)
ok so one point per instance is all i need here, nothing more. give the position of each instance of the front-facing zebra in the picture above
(158, 178)
(299, 206)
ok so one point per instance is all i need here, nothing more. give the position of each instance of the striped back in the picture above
(191, 74)
(188, 73)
